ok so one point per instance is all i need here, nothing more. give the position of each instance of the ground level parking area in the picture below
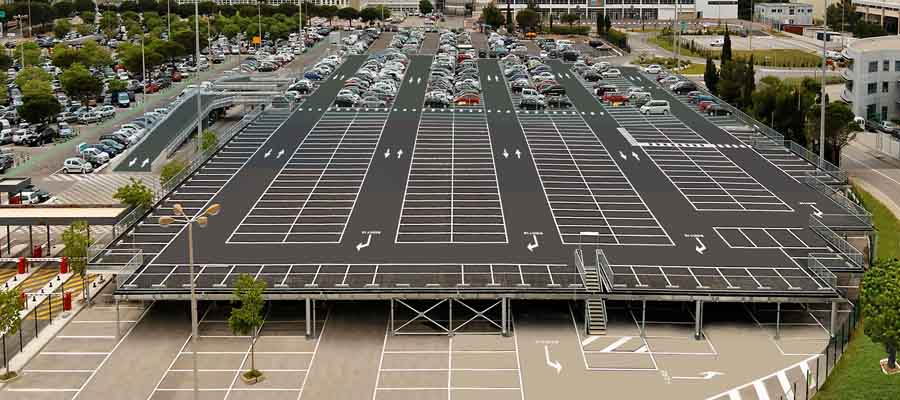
(354, 355)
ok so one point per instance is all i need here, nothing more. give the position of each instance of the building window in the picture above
(873, 66)
(897, 66)
(885, 87)
(872, 88)
(886, 66)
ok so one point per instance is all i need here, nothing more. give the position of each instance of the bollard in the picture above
(23, 266)
(67, 301)
(64, 265)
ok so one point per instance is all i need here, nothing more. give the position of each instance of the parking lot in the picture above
(476, 201)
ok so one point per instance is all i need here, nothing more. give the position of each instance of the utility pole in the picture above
(197, 94)
(822, 94)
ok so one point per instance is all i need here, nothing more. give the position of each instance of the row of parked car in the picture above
(705, 103)
(453, 78)
(535, 82)
(377, 81)
(110, 145)
(408, 40)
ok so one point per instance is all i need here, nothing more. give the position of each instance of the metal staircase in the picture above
(594, 307)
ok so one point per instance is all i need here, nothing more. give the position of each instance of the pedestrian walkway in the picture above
(98, 189)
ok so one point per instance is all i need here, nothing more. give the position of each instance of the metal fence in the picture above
(188, 129)
(855, 210)
(839, 243)
(820, 366)
(608, 275)
(822, 272)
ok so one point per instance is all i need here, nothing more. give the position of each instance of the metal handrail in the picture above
(606, 268)
(822, 272)
(855, 210)
(840, 244)
(188, 129)
(579, 265)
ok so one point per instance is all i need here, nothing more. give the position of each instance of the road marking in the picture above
(614, 345)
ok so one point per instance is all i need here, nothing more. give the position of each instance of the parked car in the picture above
(6, 162)
(655, 107)
(95, 156)
(653, 69)
(89, 118)
(716, 109)
(614, 97)
(77, 165)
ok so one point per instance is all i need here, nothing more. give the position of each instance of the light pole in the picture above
(197, 64)
(168, 20)
(822, 94)
(201, 219)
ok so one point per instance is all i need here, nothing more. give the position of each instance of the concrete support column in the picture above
(392, 316)
(504, 316)
(308, 315)
(833, 325)
(450, 319)
(698, 323)
(777, 321)
(643, 318)
(118, 320)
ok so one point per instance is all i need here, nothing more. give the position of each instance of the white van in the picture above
(655, 107)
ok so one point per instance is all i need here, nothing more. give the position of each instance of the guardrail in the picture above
(822, 272)
(608, 275)
(579, 264)
(855, 210)
(839, 243)
(779, 139)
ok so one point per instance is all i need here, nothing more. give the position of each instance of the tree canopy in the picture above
(348, 13)
(425, 7)
(39, 108)
(135, 194)
(247, 319)
(80, 84)
(880, 299)
(528, 19)
(492, 16)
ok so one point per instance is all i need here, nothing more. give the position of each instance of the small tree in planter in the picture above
(76, 239)
(247, 319)
(9, 325)
(880, 298)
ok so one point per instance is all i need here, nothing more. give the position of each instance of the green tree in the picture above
(29, 51)
(328, 12)
(109, 24)
(749, 78)
(711, 76)
(64, 55)
(607, 23)
(9, 324)
(117, 85)
(726, 47)
(730, 82)
(528, 19)
(38, 109)
(425, 7)
(208, 140)
(839, 129)
(170, 169)
(570, 18)
(880, 299)
(80, 84)
(369, 14)
(85, 29)
(62, 27)
(135, 194)
(248, 318)
(36, 88)
(32, 74)
(349, 14)
(93, 54)
(88, 17)
(76, 239)
(130, 56)
(63, 8)
(492, 16)
(84, 5)
(4, 91)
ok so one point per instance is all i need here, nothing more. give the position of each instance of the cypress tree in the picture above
(726, 47)
(711, 76)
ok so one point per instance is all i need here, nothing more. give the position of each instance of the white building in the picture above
(873, 77)
(406, 6)
(623, 10)
(778, 14)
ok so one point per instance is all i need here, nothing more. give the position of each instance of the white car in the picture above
(653, 69)
(611, 73)
(531, 93)
(77, 165)
(717, 43)
(656, 107)
(133, 127)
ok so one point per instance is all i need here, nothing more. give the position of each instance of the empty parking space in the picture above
(585, 188)
(771, 238)
(312, 197)
(786, 279)
(451, 191)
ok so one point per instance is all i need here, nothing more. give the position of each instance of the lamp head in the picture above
(213, 210)
(203, 221)
(166, 220)
(178, 209)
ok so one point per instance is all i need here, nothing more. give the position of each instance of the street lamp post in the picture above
(197, 64)
(201, 219)
(822, 94)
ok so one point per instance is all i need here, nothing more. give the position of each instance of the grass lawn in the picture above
(858, 375)
(776, 57)
(694, 69)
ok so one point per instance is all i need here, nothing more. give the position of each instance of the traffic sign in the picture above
(2, 14)
(256, 40)
(683, 26)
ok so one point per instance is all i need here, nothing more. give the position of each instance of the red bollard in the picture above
(23, 266)
(64, 265)
(23, 299)
(67, 301)
(37, 252)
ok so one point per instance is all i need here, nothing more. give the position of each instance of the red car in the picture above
(151, 87)
(703, 105)
(615, 97)
(176, 77)
(467, 99)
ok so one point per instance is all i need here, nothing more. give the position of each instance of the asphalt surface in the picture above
(162, 135)
(580, 181)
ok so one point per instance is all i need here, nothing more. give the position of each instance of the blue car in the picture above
(313, 75)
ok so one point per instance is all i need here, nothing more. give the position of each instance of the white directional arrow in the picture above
(816, 211)
(633, 154)
(532, 246)
(268, 153)
(496, 78)
(621, 154)
(551, 364)
(399, 153)
(132, 162)
(387, 153)
(418, 80)
(280, 153)
(518, 154)
(707, 375)
(361, 246)
(700, 246)
(146, 161)
(505, 153)
(410, 80)
(489, 78)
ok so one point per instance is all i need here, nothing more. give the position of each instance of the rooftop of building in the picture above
(876, 43)
(769, 5)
